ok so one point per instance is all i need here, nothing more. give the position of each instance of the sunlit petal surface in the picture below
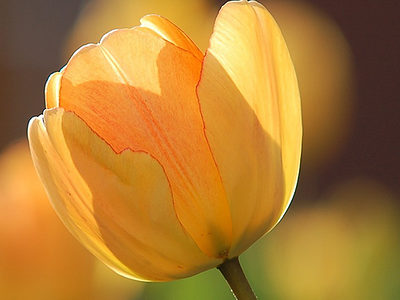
(154, 109)
(250, 103)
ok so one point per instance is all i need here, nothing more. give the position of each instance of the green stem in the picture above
(236, 279)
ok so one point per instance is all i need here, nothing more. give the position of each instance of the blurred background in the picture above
(341, 236)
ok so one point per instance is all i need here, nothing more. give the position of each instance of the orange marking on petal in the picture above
(138, 91)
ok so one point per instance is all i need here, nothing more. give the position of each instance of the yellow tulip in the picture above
(165, 162)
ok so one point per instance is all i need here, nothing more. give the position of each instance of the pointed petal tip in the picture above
(51, 90)
(171, 33)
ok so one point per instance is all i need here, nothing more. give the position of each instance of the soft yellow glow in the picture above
(345, 247)
(324, 66)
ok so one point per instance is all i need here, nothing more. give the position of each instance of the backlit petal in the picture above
(250, 103)
(137, 91)
(52, 90)
(119, 205)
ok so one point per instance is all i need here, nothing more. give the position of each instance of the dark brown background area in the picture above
(372, 29)
(32, 34)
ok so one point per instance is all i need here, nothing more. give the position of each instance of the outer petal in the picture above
(137, 91)
(251, 107)
(118, 205)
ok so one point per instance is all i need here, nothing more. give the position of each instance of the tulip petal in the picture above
(118, 205)
(251, 108)
(137, 91)
(171, 33)
(52, 90)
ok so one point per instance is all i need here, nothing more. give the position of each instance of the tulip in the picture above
(165, 162)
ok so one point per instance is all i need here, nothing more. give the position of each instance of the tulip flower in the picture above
(165, 162)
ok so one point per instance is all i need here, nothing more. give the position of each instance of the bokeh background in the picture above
(341, 236)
